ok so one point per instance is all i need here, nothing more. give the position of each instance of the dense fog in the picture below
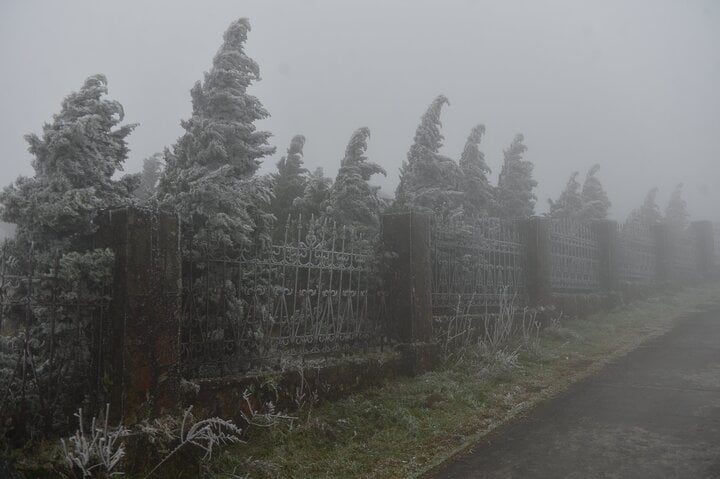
(629, 85)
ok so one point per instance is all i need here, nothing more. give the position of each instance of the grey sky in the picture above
(631, 84)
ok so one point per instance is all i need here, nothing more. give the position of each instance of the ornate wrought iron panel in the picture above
(56, 312)
(313, 293)
(638, 254)
(474, 265)
(573, 257)
(682, 255)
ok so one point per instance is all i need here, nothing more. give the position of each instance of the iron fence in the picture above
(474, 266)
(682, 262)
(637, 253)
(53, 312)
(314, 293)
(574, 254)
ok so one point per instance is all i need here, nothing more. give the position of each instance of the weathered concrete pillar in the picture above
(140, 360)
(536, 235)
(608, 249)
(662, 252)
(704, 247)
(406, 239)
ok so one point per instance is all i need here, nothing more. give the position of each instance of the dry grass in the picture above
(406, 427)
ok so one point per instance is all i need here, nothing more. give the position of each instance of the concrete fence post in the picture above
(140, 358)
(608, 252)
(536, 236)
(704, 247)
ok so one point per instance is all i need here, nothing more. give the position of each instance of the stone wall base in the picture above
(305, 383)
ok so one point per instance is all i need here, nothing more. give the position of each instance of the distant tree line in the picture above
(210, 175)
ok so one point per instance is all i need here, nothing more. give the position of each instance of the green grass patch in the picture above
(407, 426)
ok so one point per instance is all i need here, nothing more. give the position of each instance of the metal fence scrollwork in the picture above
(638, 256)
(475, 265)
(573, 256)
(312, 294)
(56, 310)
(681, 251)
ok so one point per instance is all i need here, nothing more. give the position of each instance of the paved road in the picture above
(654, 413)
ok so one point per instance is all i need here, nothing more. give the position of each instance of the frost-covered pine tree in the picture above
(514, 193)
(209, 176)
(353, 202)
(288, 183)
(428, 180)
(569, 203)
(45, 370)
(648, 213)
(75, 160)
(152, 167)
(313, 201)
(676, 213)
(595, 202)
(477, 190)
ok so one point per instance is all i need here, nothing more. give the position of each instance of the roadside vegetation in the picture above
(407, 426)
(401, 429)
